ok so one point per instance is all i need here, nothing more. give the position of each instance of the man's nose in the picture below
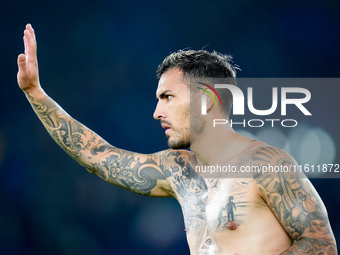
(158, 113)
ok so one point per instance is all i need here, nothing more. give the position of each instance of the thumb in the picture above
(22, 62)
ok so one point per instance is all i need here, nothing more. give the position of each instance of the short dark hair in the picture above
(203, 64)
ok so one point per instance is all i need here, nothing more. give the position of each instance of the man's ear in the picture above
(210, 101)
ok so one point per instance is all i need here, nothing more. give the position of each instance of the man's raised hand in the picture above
(28, 75)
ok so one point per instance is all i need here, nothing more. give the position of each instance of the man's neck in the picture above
(217, 145)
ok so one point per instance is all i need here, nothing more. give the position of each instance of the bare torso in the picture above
(227, 215)
(217, 224)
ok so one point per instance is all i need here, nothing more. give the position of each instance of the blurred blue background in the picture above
(98, 59)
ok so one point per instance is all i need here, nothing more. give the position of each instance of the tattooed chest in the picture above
(214, 209)
(216, 204)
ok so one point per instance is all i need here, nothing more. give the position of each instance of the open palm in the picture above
(28, 75)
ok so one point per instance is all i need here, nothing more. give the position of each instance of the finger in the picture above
(22, 63)
(31, 33)
(25, 44)
(31, 47)
(29, 37)
(31, 30)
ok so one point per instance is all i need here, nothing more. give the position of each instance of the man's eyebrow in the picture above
(162, 95)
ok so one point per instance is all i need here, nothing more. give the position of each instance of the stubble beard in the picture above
(187, 135)
(181, 142)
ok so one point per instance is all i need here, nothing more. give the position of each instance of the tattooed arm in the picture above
(143, 174)
(295, 203)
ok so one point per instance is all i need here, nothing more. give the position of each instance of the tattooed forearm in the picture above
(136, 172)
(296, 204)
(311, 246)
(70, 135)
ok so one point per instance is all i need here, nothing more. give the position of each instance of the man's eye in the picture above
(168, 97)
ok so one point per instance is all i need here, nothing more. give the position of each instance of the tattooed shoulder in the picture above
(294, 201)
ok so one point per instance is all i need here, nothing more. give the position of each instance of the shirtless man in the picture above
(278, 213)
